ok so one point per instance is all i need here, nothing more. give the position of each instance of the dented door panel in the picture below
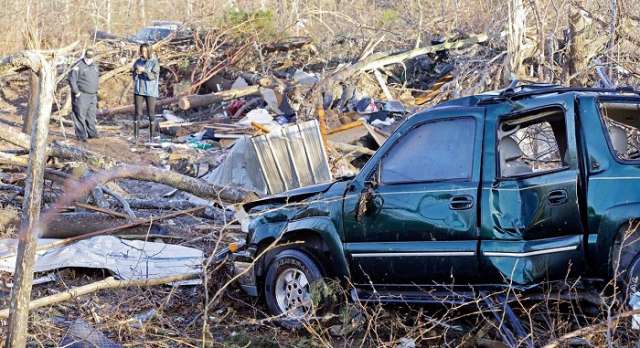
(531, 261)
(535, 208)
(531, 225)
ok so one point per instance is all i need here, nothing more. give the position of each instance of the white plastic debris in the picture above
(259, 116)
(387, 122)
(127, 259)
(169, 116)
(270, 97)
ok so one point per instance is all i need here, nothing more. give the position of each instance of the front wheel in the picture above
(288, 285)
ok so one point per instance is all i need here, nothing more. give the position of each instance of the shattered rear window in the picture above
(533, 144)
(622, 122)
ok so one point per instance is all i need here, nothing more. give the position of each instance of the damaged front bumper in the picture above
(243, 260)
(244, 270)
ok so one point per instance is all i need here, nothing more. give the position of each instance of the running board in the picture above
(509, 325)
(408, 296)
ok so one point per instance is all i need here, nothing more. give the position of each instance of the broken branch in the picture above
(108, 283)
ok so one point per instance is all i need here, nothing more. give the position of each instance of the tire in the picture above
(288, 284)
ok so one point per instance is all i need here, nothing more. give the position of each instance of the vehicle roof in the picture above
(523, 92)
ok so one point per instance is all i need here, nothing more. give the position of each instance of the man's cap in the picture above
(89, 53)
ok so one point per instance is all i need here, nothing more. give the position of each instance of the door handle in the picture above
(557, 197)
(460, 202)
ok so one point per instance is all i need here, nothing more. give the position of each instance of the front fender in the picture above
(612, 220)
(324, 226)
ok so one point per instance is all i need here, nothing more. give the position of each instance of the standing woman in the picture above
(146, 72)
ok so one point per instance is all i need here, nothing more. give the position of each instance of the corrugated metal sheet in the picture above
(292, 157)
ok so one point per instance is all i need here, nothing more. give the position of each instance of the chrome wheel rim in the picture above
(292, 293)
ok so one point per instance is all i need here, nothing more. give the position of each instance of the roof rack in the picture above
(515, 91)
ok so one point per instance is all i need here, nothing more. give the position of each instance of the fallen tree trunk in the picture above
(179, 204)
(400, 57)
(130, 109)
(67, 225)
(56, 149)
(69, 240)
(104, 211)
(6, 158)
(185, 183)
(196, 100)
(108, 283)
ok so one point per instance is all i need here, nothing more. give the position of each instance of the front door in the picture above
(411, 216)
(531, 227)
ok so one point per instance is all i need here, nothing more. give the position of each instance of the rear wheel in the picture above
(288, 286)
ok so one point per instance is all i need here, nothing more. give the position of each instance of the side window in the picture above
(622, 121)
(535, 143)
(440, 150)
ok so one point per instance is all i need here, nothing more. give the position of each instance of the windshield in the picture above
(622, 121)
(152, 34)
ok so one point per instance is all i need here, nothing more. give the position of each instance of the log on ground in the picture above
(197, 100)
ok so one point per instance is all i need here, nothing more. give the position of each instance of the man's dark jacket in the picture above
(84, 78)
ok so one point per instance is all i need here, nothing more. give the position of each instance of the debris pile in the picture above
(215, 92)
(237, 120)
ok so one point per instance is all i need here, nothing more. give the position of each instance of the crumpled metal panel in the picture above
(239, 169)
(291, 157)
(127, 259)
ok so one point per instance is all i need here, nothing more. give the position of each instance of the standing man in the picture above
(145, 73)
(83, 80)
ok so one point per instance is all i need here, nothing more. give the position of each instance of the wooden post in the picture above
(32, 106)
(27, 244)
(323, 124)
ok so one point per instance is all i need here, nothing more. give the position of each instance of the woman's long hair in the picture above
(149, 50)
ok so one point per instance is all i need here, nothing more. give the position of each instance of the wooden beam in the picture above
(29, 230)
(354, 124)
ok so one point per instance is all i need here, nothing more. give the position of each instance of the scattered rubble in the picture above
(238, 120)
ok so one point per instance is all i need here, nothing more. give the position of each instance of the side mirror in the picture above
(374, 179)
(369, 201)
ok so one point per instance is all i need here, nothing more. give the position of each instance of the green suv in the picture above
(530, 184)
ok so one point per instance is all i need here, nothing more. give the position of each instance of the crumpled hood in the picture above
(291, 195)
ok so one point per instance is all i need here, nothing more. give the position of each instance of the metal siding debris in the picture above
(128, 259)
(292, 157)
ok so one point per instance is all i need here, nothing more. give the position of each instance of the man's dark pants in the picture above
(84, 115)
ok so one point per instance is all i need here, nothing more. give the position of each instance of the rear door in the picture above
(421, 225)
(531, 226)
